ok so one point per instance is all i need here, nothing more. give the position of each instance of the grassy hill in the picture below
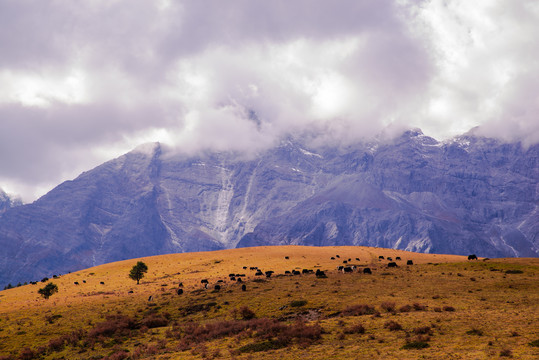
(442, 306)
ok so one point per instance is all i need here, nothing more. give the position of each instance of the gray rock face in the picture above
(467, 195)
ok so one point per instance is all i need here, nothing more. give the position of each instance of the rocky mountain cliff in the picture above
(7, 201)
(466, 195)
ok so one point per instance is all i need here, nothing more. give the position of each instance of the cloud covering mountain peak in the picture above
(86, 82)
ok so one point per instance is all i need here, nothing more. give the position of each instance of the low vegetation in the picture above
(429, 309)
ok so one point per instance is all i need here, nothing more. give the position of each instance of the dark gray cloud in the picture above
(85, 81)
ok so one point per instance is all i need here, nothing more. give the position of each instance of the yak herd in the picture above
(238, 278)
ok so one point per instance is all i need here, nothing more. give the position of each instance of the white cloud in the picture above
(88, 81)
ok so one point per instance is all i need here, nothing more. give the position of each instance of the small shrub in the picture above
(449, 308)
(474, 332)
(421, 338)
(419, 307)
(356, 310)
(392, 325)
(506, 353)
(196, 308)
(261, 346)
(142, 350)
(534, 343)
(56, 344)
(119, 355)
(415, 345)
(304, 334)
(52, 318)
(298, 303)
(423, 330)
(514, 271)
(405, 308)
(246, 313)
(114, 325)
(388, 306)
(27, 354)
(437, 309)
(355, 329)
(155, 321)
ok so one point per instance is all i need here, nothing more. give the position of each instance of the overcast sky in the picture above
(82, 82)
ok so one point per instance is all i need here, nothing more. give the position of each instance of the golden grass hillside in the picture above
(441, 307)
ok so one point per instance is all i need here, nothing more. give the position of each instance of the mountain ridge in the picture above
(464, 195)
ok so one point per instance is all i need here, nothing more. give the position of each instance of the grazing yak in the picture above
(472, 257)
(391, 264)
(367, 271)
(409, 262)
(380, 257)
(243, 287)
(179, 291)
(217, 288)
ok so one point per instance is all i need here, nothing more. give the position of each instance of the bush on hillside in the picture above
(357, 310)
(392, 325)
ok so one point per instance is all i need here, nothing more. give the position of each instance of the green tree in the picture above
(48, 290)
(137, 272)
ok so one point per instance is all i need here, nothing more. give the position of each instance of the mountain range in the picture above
(465, 195)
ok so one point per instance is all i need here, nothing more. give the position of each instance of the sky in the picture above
(82, 82)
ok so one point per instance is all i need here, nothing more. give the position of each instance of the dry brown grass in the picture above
(91, 320)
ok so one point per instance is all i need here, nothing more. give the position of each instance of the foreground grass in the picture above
(441, 307)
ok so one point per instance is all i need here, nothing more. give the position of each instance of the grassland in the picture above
(442, 307)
